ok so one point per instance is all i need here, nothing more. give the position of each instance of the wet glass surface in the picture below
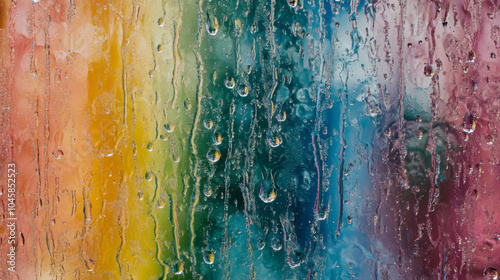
(249, 139)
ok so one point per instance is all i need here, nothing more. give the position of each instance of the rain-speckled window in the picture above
(249, 139)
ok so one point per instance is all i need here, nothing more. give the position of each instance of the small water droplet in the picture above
(164, 137)
(295, 259)
(176, 158)
(274, 140)
(178, 268)
(149, 147)
(217, 138)
(349, 219)
(161, 203)
(267, 196)
(419, 119)
(161, 21)
(212, 26)
(410, 45)
(276, 244)
(428, 72)
(208, 124)
(169, 127)
(58, 154)
(420, 134)
(151, 72)
(229, 82)
(281, 117)
(303, 95)
(243, 90)
(140, 196)
(213, 155)
(187, 104)
(207, 191)
(159, 48)
(322, 213)
(293, 3)
(260, 244)
(148, 176)
(469, 124)
(208, 256)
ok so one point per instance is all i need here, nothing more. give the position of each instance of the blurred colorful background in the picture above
(251, 139)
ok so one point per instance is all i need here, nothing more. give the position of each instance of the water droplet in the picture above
(159, 48)
(151, 72)
(490, 273)
(161, 203)
(161, 21)
(303, 95)
(207, 191)
(149, 147)
(163, 137)
(176, 158)
(410, 45)
(349, 219)
(243, 90)
(469, 124)
(260, 244)
(178, 268)
(428, 72)
(217, 138)
(169, 127)
(140, 196)
(213, 155)
(208, 256)
(419, 119)
(322, 213)
(267, 195)
(148, 176)
(208, 124)
(276, 244)
(229, 82)
(58, 154)
(274, 140)
(293, 3)
(295, 259)
(212, 26)
(187, 104)
(420, 134)
(281, 117)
